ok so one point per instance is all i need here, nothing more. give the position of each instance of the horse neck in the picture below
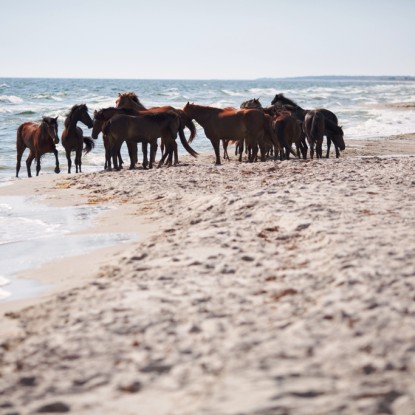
(109, 113)
(72, 120)
(44, 133)
(331, 127)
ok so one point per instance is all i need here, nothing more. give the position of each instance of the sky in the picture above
(210, 39)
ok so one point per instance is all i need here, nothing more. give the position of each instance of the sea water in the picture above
(31, 234)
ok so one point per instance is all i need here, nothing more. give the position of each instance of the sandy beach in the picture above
(273, 288)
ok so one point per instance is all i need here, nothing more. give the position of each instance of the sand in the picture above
(265, 288)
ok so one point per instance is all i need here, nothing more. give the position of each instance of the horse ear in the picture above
(56, 119)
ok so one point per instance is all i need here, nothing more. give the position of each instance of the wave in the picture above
(27, 112)
(232, 93)
(4, 86)
(48, 97)
(11, 99)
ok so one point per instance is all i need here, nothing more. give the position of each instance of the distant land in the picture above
(341, 78)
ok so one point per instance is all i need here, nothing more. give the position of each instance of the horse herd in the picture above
(271, 131)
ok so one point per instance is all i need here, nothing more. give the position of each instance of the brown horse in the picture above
(130, 100)
(73, 137)
(249, 125)
(288, 130)
(149, 127)
(100, 118)
(316, 126)
(40, 139)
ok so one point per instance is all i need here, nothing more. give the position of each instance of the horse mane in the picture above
(283, 100)
(131, 96)
(72, 111)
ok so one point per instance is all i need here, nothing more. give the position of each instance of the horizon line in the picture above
(411, 77)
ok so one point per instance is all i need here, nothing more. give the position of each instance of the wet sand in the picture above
(265, 288)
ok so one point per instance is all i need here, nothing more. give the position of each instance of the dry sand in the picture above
(266, 288)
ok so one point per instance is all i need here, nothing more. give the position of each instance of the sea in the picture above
(29, 232)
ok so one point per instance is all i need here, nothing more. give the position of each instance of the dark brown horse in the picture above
(73, 137)
(316, 126)
(39, 139)
(288, 130)
(231, 124)
(149, 127)
(130, 100)
(100, 118)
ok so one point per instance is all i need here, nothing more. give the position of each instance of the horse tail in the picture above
(19, 135)
(315, 126)
(191, 126)
(186, 144)
(186, 121)
(89, 144)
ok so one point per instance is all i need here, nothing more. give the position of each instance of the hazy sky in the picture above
(221, 39)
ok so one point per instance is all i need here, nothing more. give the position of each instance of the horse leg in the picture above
(337, 151)
(144, 149)
(176, 156)
(29, 163)
(225, 150)
(57, 169)
(68, 157)
(215, 144)
(19, 159)
(78, 161)
(328, 147)
(37, 165)
(241, 149)
(164, 156)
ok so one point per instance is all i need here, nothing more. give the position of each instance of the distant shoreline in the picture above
(349, 78)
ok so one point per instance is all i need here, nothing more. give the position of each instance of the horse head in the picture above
(51, 125)
(84, 116)
(338, 139)
(252, 103)
(97, 124)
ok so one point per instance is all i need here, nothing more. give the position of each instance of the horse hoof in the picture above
(57, 171)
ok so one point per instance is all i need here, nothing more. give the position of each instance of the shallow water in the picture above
(33, 234)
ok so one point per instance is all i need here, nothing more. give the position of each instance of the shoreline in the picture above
(256, 287)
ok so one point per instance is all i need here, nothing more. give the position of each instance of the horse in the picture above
(316, 125)
(148, 126)
(100, 118)
(73, 137)
(130, 100)
(288, 130)
(40, 139)
(231, 124)
(281, 101)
